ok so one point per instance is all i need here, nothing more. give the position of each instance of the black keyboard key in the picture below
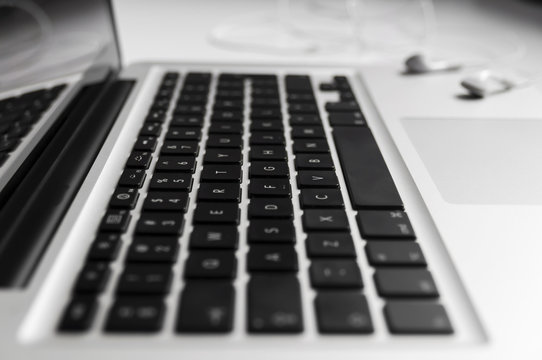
(156, 116)
(92, 278)
(145, 279)
(160, 223)
(223, 156)
(79, 314)
(343, 312)
(229, 94)
(176, 163)
(136, 314)
(335, 274)
(228, 116)
(321, 198)
(231, 85)
(405, 282)
(393, 224)
(269, 169)
(265, 103)
(8, 144)
(184, 133)
(214, 237)
(105, 247)
(198, 77)
(225, 128)
(161, 104)
(265, 92)
(270, 208)
(269, 188)
(313, 146)
(139, 160)
(301, 98)
(206, 307)
(151, 129)
(235, 105)
(346, 96)
(186, 121)
(225, 141)
(347, 119)
(132, 177)
(271, 231)
(302, 108)
(185, 147)
(298, 84)
(267, 138)
(193, 98)
(219, 213)
(325, 220)
(171, 181)
(125, 198)
(222, 173)
(272, 258)
(328, 87)
(160, 249)
(313, 162)
(211, 264)
(3, 158)
(272, 113)
(308, 132)
(338, 244)
(195, 88)
(342, 83)
(166, 201)
(267, 153)
(358, 152)
(145, 143)
(305, 119)
(115, 221)
(266, 125)
(317, 179)
(219, 192)
(394, 253)
(409, 317)
(342, 106)
(274, 304)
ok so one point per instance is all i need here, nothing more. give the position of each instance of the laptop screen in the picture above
(47, 39)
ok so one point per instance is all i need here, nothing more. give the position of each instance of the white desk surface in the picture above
(179, 30)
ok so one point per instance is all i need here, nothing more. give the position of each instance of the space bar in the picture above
(367, 177)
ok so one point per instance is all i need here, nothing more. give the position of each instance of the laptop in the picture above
(176, 210)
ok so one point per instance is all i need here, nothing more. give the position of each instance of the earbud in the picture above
(420, 64)
(487, 82)
(480, 85)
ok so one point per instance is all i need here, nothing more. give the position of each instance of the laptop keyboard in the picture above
(19, 114)
(207, 300)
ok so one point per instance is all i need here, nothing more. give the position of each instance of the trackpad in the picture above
(481, 161)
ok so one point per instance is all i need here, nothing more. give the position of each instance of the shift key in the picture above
(367, 177)
(274, 304)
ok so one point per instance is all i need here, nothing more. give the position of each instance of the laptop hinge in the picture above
(33, 211)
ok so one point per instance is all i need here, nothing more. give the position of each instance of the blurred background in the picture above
(351, 32)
